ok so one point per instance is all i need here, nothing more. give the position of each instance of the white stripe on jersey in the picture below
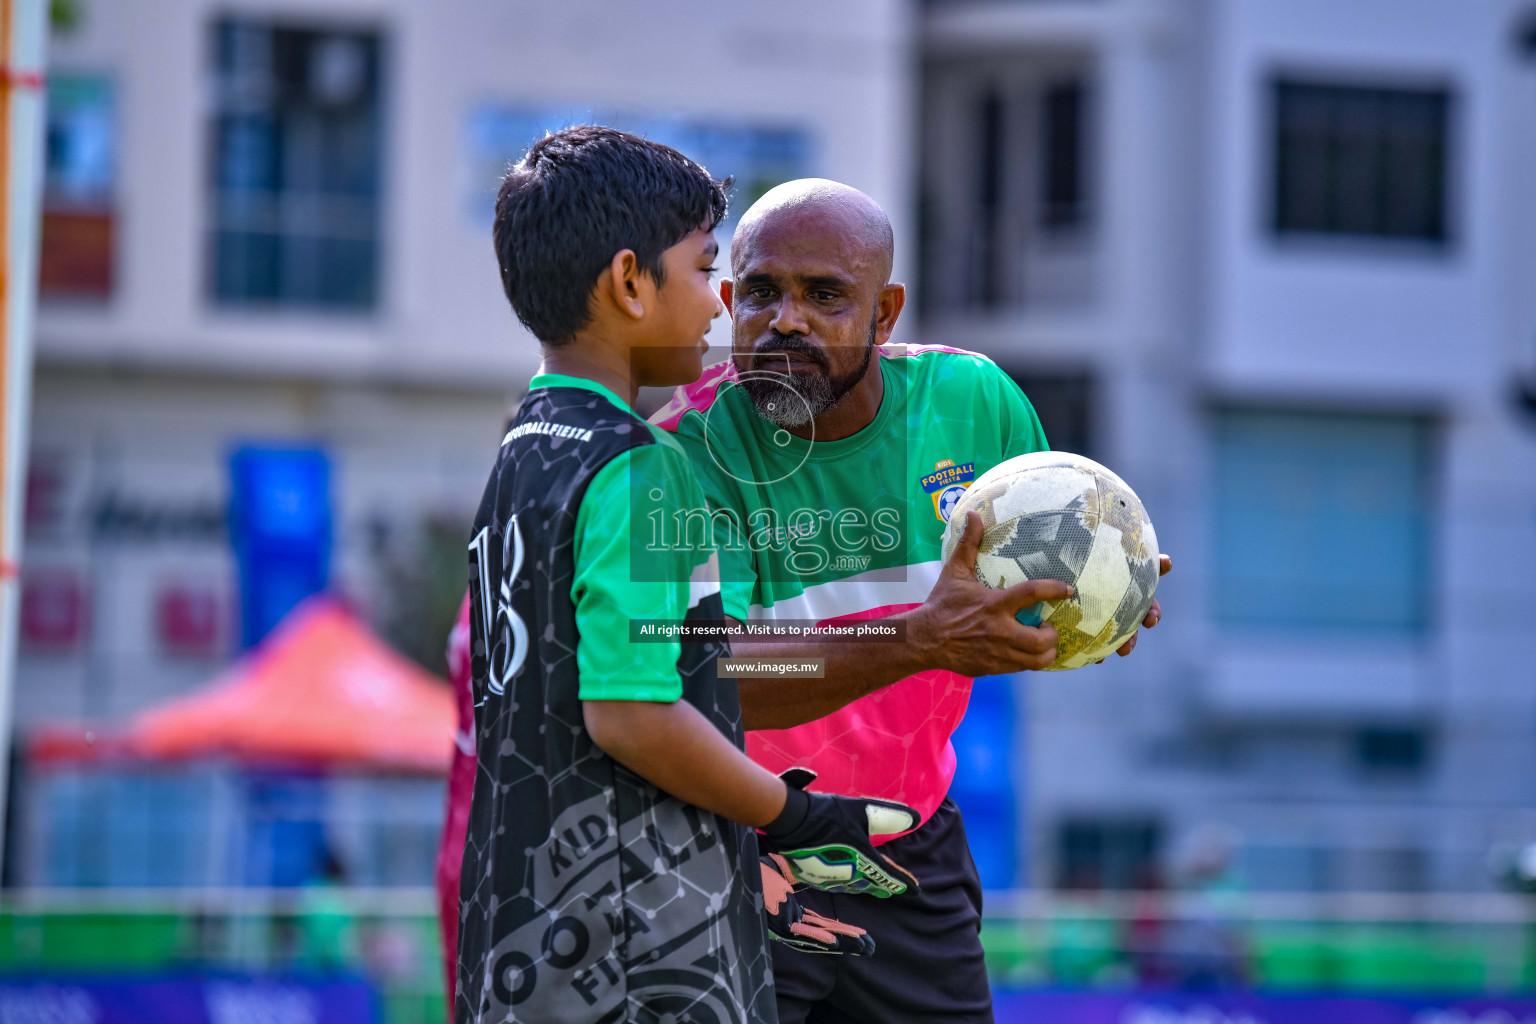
(705, 580)
(876, 588)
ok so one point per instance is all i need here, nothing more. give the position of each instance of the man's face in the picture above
(685, 304)
(803, 305)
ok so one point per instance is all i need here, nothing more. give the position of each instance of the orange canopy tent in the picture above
(321, 689)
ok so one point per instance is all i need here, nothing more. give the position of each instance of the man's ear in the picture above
(888, 307)
(625, 283)
(727, 292)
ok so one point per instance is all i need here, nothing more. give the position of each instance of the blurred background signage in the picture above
(280, 524)
(78, 188)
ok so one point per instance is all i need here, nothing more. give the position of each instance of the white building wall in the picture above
(1347, 317)
(161, 442)
(442, 317)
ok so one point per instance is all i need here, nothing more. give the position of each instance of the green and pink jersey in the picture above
(833, 532)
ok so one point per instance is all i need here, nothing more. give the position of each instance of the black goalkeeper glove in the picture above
(825, 839)
(798, 928)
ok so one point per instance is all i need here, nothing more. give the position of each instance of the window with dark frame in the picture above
(1357, 161)
(1064, 402)
(1005, 206)
(1061, 146)
(1392, 749)
(1107, 853)
(295, 166)
(990, 223)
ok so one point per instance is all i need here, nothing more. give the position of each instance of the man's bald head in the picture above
(827, 203)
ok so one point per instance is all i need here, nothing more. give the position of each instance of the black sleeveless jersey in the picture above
(588, 896)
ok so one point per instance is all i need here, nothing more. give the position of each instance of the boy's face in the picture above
(672, 351)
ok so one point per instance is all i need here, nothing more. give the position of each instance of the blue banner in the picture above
(986, 787)
(280, 524)
(214, 1000)
(1250, 1008)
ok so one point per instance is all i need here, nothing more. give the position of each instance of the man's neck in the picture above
(853, 412)
(585, 357)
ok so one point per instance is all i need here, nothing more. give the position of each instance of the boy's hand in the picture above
(825, 839)
(798, 928)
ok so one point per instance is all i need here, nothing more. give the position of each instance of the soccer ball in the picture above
(1055, 515)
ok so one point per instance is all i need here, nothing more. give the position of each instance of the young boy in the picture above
(611, 870)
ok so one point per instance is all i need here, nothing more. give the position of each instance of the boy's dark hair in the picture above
(580, 195)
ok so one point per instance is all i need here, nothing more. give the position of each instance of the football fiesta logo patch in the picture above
(946, 484)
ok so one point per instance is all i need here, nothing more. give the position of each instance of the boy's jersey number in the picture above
(506, 636)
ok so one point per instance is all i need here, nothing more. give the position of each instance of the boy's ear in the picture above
(627, 283)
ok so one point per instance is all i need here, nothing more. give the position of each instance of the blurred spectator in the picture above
(1144, 936)
(1204, 945)
(326, 923)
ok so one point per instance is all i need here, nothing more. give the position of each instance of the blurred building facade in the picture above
(1272, 263)
(268, 224)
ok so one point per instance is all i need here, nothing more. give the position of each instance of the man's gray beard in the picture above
(793, 400)
(790, 400)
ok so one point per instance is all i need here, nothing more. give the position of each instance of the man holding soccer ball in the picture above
(832, 461)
